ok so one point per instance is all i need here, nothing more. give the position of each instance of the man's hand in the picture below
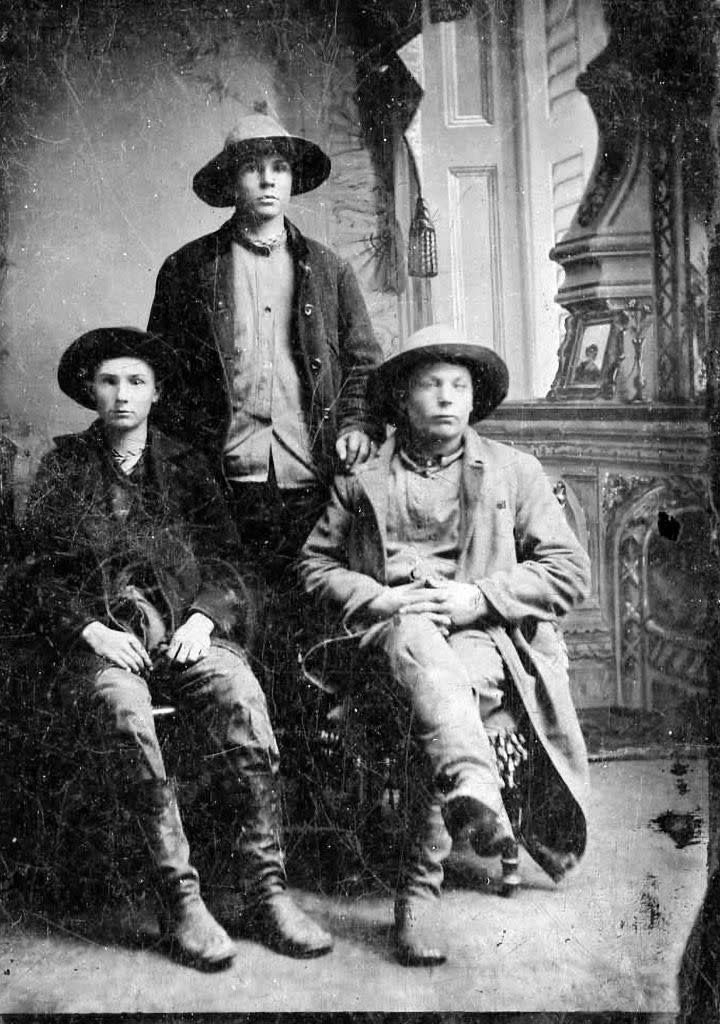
(354, 448)
(121, 648)
(191, 641)
(408, 599)
(461, 604)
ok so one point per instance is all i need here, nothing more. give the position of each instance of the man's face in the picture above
(124, 390)
(263, 186)
(439, 401)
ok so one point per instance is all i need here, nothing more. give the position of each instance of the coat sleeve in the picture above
(553, 570)
(360, 353)
(221, 594)
(171, 319)
(324, 560)
(52, 583)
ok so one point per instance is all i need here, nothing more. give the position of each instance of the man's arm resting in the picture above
(354, 447)
(448, 602)
(121, 648)
(191, 641)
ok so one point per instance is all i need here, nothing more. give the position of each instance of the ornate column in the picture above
(633, 255)
(623, 423)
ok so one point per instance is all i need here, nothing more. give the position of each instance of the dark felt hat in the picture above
(80, 360)
(439, 342)
(215, 183)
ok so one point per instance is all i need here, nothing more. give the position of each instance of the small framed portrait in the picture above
(588, 356)
(591, 346)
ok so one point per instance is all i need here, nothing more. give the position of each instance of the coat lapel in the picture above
(374, 481)
(216, 286)
(475, 506)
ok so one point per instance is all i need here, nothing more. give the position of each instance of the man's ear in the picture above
(158, 392)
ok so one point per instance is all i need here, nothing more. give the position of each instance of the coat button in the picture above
(326, 414)
(315, 364)
(308, 309)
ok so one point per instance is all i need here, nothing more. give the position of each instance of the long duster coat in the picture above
(516, 545)
(332, 342)
(177, 545)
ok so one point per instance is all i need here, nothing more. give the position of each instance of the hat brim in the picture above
(81, 359)
(488, 370)
(215, 183)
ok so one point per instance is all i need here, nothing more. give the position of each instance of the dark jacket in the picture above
(516, 545)
(176, 545)
(332, 341)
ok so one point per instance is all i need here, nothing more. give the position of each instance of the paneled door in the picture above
(468, 170)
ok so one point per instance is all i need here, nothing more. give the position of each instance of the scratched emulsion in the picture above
(108, 109)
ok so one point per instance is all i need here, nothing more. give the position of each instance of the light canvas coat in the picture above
(516, 544)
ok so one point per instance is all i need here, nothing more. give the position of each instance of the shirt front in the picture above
(269, 421)
(423, 518)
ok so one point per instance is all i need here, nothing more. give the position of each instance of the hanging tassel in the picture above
(422, 245)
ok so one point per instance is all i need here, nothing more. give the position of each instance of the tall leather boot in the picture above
(193, 935)
(419, 935)
(271, 914)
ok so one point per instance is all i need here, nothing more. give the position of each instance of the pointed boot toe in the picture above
(419, 941)
(470, 821)
(194, 937)
(281, 925)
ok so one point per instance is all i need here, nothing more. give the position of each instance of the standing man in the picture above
(276, 346)
(130, 576)
(450, 556)
(274, 338)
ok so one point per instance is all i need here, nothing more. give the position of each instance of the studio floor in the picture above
(609, 938)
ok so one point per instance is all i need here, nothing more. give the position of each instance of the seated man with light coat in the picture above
(451, 557)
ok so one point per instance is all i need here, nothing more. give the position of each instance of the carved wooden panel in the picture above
(476, 270)
(636, 494)
(658, 533)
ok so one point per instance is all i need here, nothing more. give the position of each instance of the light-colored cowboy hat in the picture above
(80, 360)
(439, 342)
(215, 183)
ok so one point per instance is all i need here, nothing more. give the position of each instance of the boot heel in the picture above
(511, 879)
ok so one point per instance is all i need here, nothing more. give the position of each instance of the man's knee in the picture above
(229, 688)
(225, 675)
(124, 698)
(411, 637)
(419, 657)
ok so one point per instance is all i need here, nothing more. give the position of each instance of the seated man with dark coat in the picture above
(451, 558)
(128, 574)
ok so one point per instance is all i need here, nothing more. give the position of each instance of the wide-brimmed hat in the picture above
(80, 360)
(215, 183)
(439, 342)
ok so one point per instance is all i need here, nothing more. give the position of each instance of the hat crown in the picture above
(255, 126)
(436, 334)
(81, 359)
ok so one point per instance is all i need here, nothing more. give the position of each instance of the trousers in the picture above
(220, 690)
(450, 685)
